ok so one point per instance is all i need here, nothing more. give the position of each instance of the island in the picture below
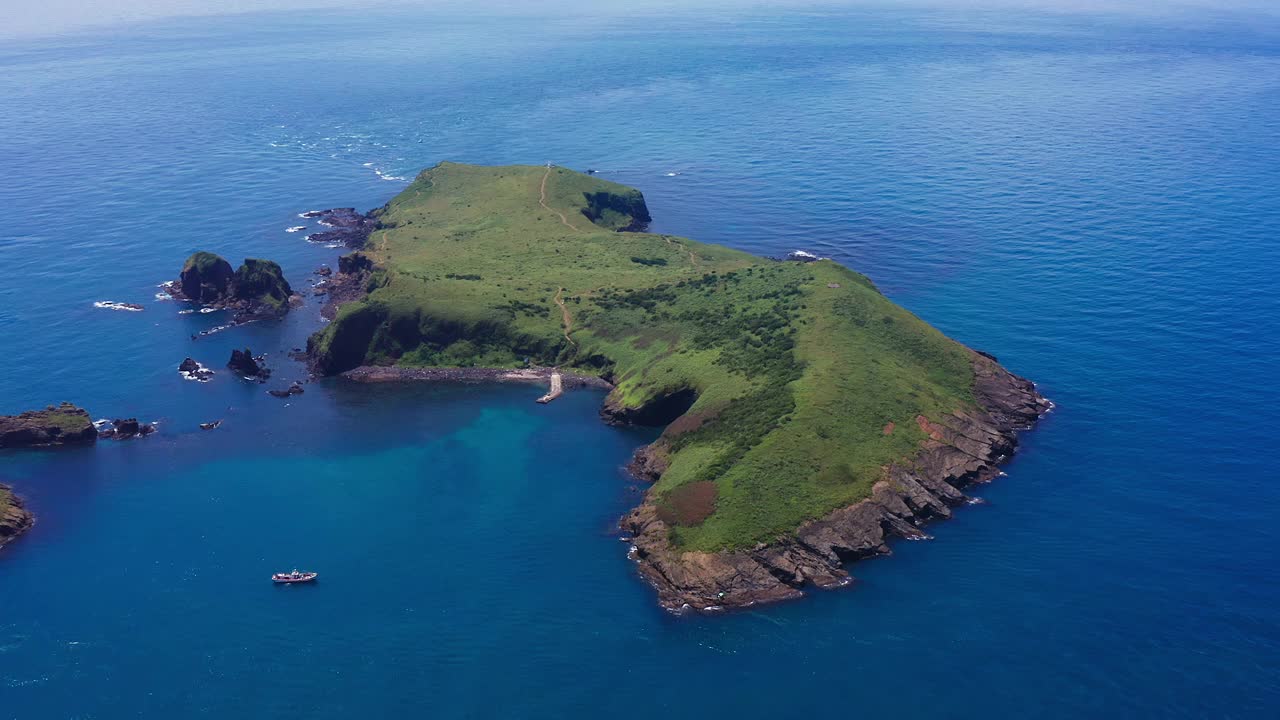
(254, 291)
(63, 424)
(808, 419)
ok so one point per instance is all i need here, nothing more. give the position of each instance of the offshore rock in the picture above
(205, 278)
(256, 290)
(126, 429)
(294, 389)
(244, 364)
(63, 424)
(192, 370)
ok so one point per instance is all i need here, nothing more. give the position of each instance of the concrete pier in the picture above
(557, 387)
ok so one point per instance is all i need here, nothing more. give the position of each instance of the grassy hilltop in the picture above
(805, 381)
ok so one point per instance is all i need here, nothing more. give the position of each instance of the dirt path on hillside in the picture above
(565, 316)
(542, 200)
(693, 258)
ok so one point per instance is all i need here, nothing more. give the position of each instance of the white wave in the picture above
(672, 174)
(308, 214)
(387, 176)
(113, 305)
(803, 254)
(206, 311)
(188, 311)
(295, 228)
(217, 329)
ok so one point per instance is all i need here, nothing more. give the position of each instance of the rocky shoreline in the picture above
(348, 227)
(347, 285)
(963, 448)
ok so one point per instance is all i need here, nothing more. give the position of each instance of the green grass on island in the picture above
(68, 418)
(807, 380)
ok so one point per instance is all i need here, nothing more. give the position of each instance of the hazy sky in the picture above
(48, 17)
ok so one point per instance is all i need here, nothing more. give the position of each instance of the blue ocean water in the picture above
(1092, 198)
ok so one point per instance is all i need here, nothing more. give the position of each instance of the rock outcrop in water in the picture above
(192, 370)
(349, 227)
(244, 364)
(294, 389)
(205, 279)
(63, 424)
(126, 429)
(256, 290)
(15, 519)
(963, 448)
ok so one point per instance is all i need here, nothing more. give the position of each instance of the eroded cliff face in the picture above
(963, 448)
(662, 409)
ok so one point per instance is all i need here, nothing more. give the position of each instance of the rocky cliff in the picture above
(962, 448)
(15, 519)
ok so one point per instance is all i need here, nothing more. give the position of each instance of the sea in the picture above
(1091, 196)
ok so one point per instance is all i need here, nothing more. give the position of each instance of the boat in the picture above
(294, 577)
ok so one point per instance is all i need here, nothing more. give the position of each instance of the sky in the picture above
(35, 18)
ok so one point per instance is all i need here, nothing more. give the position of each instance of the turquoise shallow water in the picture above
(1092, 199)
